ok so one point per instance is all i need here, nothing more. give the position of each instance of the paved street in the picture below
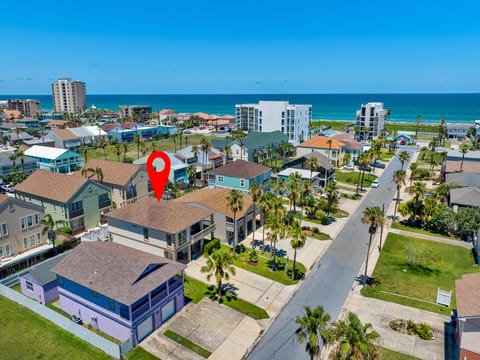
(332, 277)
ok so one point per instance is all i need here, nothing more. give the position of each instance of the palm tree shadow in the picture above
(229, 293)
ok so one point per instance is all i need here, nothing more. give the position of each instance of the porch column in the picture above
(190, 252)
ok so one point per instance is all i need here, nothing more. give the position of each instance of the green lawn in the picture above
(17, 287)
(351, 178)
(264, 266)
(26, 335)
(399, 226)
(139, 353)
(187, 343)
(393, 355)
(385, 155)
(395, 277)
(196, 290)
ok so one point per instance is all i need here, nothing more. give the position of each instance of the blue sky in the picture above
(302, 46)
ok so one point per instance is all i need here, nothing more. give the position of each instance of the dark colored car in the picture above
(366, 168)
(377, 164)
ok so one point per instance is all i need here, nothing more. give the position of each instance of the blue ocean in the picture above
(458, 108)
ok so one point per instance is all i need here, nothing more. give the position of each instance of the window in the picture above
(32, 240)
(78, 205)
(22, 223)
(242, 182)
(1, 251)
(111, 304)
(7, 249)
(145, 234)
(37, 219)
(29, 285)
(182, 238)
(29, 220)
(39, 238)
(220, 179)
(25, 243)
(169, 239)
(4, 229)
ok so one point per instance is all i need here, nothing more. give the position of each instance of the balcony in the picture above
(131, 194)
(202, 233)
(174, 286)
(229, 226)
(159, 297)
(142, 309)
(75, 213)
(104, 204)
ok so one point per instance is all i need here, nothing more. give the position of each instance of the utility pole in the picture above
(381, 228)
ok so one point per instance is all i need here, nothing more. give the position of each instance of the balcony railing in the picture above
(140, 310)
(76, 213)
(202, 233)
(173, 286)
(131, 194)
(159, 297)
(229, 227)
(104, 204)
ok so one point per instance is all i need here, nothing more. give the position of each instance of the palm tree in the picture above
(306, 190)
(293, 185)
(277, 227)
(227, 153)
(363, 162)
(399, 180)
(103, 144)
(329, 142)
(21, 156)
(418, 190)
(265, 204)
(137, 140)
(118, 151)
(413, 172)
(332, 193)
(99, 173)
(84, 152)
(192, 174)
(42, 131)
(124, 147)
(312, 165)
(235, 203)
(374, 217)
(239, 136)
(297, 242)
(13, 157)
(255, 192)
(205, 146)
(403, 157)
(355, 340)
(419, 119)
(50, 226)
(219, 264)
(463, 149)
(313, 329)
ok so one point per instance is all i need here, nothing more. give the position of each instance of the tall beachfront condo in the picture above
(266, 116)
(27, 107)
(370, 121)
(68, 96)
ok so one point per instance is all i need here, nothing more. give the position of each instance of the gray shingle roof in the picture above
(241, 169)
(463, 179)
(467, 196)
(42, 272)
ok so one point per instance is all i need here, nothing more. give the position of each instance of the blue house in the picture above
(178, 169)
(55, 159)
(123, 292)
(240, 175)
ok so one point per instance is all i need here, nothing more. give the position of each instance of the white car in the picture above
(348, 167)
(375, 184)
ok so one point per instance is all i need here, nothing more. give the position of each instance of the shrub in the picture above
(411, 327)
(240, 249)
(65, 230)
(211, 246)
(252, 256)
(316, 230)
(323, 219)
(424, 331)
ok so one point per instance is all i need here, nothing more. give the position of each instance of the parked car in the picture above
(348, 167)
(375, 184)
(403, 142)
(366, 168)
(377, 164)
(8, 187)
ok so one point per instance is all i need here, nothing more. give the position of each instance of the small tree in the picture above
(297, 241)
(373, 217)
(235, 203)
(313, 330)
(219, 264)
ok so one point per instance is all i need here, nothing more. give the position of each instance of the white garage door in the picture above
(144, 328)
(168, 310)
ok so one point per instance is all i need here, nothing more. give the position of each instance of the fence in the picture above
(103, 344)
(99, 233)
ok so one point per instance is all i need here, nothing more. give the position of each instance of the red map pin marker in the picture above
(158, 179)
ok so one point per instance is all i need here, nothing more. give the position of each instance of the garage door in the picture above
(168, 310)
(144, 328)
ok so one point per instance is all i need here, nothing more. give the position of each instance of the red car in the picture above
(403, 142)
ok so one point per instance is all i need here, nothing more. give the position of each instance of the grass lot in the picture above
(351, 178)
(318, 236)
(420, 282)
(393, 355)
(187, 343)
(335, 125)
(385, 155)
(131, 155)
(17, 287)
(264, 266)
(399, 226)
(26, 335)
(139, 353)
(196, 290)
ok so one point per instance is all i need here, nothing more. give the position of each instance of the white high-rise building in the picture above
(266, 116)
(68, 96)
(370, 121)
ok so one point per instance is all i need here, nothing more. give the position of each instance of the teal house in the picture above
(240, 175)
(55, 159)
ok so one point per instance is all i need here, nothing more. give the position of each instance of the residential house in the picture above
(457, 131)
(353, 148)
(468, 317)
(169, 229)
(20, 226)
(202, 160)
(216, 200)
(127, 130)
(463, 179)
(458, 162)
(325, 169)
(65, 139)
(39, 282)
(127, 182)
(123, 292)
(329, 147)
(74, 200)
(178, 169)
(257, 145)
(6, 164)
(466, 196)
(88, 134)
(55, 159)
(240, 175)
(404, 137)
(305, 175)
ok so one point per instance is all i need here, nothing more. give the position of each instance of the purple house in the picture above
(40, 283)
(121, 291)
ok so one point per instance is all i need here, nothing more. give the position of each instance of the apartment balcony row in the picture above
(203, 233)
(104, 204)
(75, 213)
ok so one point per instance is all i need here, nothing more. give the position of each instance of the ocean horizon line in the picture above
(263, 93)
